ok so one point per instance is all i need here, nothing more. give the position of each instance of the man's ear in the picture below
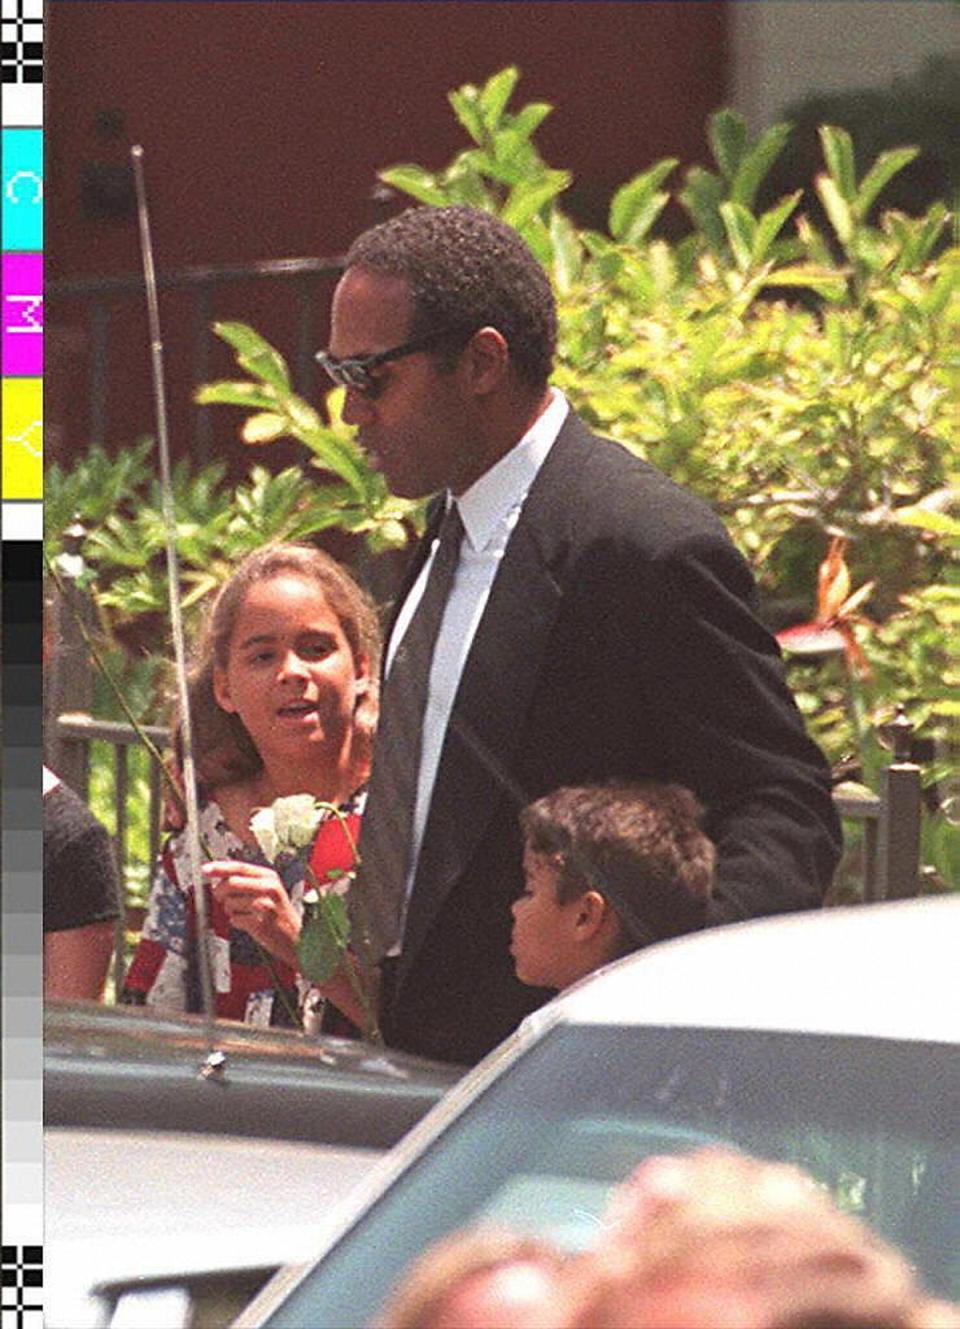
(221, 690)
(487, 358)
(592, 911)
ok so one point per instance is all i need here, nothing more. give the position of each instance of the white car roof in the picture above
(881, 970)
(128, 1205)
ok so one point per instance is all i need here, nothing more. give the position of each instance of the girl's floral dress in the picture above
(248, 984)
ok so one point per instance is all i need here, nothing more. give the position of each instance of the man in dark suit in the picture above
(598, 627)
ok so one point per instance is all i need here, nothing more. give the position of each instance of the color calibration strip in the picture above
(21, 809)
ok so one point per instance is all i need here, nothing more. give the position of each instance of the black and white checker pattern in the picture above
(22, 32)
(22, 1306)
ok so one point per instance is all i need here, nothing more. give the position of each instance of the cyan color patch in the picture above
(22, 189)
(22, 314)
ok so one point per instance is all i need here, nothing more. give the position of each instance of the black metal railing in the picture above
(74, 737)
(890, 819)
(99, 299)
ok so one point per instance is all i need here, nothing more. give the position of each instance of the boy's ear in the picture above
(592, 911)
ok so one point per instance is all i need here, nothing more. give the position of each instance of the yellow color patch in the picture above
(23, 438)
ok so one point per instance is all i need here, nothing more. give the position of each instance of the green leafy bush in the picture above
(802, 395)
(803, 378)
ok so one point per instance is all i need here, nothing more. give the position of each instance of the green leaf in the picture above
(507, 166)
(631, 215)
(495, 94)
(338, 455)
(702, 195)
(464, 185)
(915, 236)
(662, 266)
(255, 354)
(537, 235)
(943, 847)
(203, 584)
(938, 297)
(928, 519)
(465, 103)
(529, 119)
(705, 346)
(303, 418)
(828, 282)
(646, 216)
(757, 162)
(741, 228)
(526, 200)
(771, 223)
(596, 243)
(836, 208)
(319, 950)
(416, 182)
(887, 165)
(567, 251)
(838, 154)
(228, 393)
(727, 132)
(387, 534)
(265, 427)
(949, 706)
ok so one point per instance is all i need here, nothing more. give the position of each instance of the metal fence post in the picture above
(898, 838)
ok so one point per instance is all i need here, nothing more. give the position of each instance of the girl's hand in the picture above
(255, 899)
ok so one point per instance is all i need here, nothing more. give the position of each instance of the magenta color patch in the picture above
(22, 314)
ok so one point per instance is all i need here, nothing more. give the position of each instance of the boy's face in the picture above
(543, 944)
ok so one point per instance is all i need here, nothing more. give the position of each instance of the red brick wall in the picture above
(265, 122)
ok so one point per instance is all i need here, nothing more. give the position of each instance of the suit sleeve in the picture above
(735, 735)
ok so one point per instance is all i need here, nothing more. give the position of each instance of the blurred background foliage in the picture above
(792, 357)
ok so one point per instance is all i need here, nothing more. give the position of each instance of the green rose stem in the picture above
(278, 987)
(340, 940)
(157, 756)
(339, 943)
(357, 901)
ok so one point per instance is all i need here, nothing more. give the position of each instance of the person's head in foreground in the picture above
(481, 1279)
(608, 869)
(443, 331)
(718, 1240)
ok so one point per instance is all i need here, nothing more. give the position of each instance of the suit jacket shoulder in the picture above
(593, 487)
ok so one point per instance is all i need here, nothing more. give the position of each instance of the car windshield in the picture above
(541, 1149)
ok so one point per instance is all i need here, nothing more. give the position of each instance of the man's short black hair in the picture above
(468, 270)
(640, 845)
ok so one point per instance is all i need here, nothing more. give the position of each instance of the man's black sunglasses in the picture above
(353, 371)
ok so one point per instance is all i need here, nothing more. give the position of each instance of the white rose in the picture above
(287, 825)
(265, 832)
(296, 819)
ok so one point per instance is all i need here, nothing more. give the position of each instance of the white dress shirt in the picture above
(490, 509)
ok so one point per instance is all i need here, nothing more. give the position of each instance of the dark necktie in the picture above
(387, 826)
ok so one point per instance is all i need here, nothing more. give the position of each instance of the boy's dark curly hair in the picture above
(468, 270)
(641, 845)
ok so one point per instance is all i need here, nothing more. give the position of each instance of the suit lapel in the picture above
(498, 684)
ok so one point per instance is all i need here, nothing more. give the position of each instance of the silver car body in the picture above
(879, 972)
(169, 1193)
